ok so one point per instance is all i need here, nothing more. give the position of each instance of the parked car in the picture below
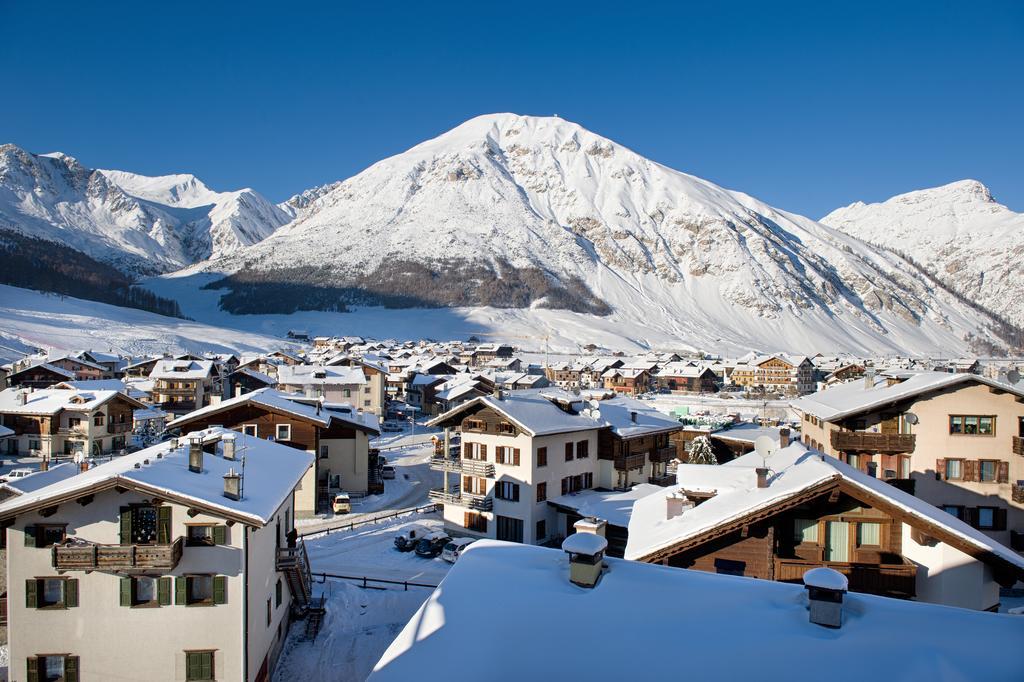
(406, 540)
(453, 550)
(387, 471)
(15, 474)
(341, 504)
(390, 425)
(432, 544)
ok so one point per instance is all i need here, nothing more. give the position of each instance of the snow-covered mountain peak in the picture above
(185, 190)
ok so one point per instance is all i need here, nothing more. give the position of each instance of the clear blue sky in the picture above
(808, 106)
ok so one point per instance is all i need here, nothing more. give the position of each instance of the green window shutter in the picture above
(192, 666)
(71, 593)
(206, 665)
(163, 527)
(126, 525)
(126, 591)
(180, 591)
(220, 589)
(32, 672)
(71, 669)
(220, 535)
(31, 594)
(163, 591)
(30, 536)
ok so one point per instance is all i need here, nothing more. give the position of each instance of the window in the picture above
(473, 425)
(542, 530)
(506, 428)
(542, 492)
(853, 460)
(542, 457)
(34, 445)
(203, 534)
(366, 390)
(44, 535)
(200, 590)
(582, 449)
(323, 452)
(52, 668)
(970, 425)
(278, 593)
(270, 612)
(249, 430)
(565, 485)
(986, 517)
(568, 452)
(347, 392)
(475, 522)
(954, 469)
(145, 590)
(51, 593)
(506, 490)
(987, 469)
(869, 534)
(97, 420)
(510, 529)
(506, 455)
(805, 530)
(198, 665)
(74, 422)
(283, 432)
(477, 451)
(955, 510)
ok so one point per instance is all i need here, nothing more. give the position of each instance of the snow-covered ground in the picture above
(747, 409)
(50, 321)
(360, 622)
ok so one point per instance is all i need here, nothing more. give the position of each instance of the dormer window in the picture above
(506, 429)
(474, 425)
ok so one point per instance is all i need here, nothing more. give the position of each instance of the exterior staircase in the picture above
(294, 563)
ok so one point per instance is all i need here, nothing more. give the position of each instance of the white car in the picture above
(453, 550)
(15, 474)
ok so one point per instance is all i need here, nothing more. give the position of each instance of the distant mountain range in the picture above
(523, 215)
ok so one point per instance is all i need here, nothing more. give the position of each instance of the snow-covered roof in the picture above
(40, 479)
(288, 403)
(48, 367)
(532, 411)
(795, 470)
(95, 385)
(614, 506)
(552, 624)
(855, 397)
(271, 473)
(53, 400)
(258, 376)
(323, 375)
(181, 369)
(747, 432)
(617, 412)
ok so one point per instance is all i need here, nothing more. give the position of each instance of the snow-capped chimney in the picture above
(232, 485)
(825, 590)
(20, 397)
(591, 524)
(869, 378)
(632, 416)
(228, 446)
(783, 438)
(676, 504)
(762, 477)
(586, 558)
(195, 455)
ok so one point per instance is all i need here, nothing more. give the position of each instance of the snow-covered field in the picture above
(360, 622)
(747, 409)
(30, 318)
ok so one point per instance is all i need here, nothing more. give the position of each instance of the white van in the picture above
(15, 474)
(453, 550)
(341, 504)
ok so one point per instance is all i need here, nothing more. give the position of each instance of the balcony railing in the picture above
(883, 579)
(458, 498)
(628, 462)
(665, 454)
(1018, 445)
(470, 467)
(92, 557)
(861, 441)
(664, 480)
(166, 390)
(123, 427)
(182, 406)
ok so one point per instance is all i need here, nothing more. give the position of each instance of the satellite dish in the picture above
(910, 418)
(766, 446)
(1013, 376)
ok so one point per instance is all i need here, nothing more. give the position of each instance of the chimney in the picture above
(825, 590)
(499, 394)
(632, 416)
(20, 397)
(869, 378)
(592, 525)
(783, 438)
(762, 477)
(586, 558)
(228, 446)
(677, 504)
(83, 465)
(195, 455)
(44, 463)
(232, 485)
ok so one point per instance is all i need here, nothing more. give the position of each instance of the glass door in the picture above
(837, 545)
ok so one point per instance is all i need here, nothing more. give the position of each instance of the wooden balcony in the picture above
(665, 454)
(455, 497)
(91, 557)
(861, 441)
(124, 427)
(890, 580)
(628, 462)
(470, 467)
(167, 390)
(1018, 445)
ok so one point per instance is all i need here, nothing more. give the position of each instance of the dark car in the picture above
(406, 540)
(433, 544)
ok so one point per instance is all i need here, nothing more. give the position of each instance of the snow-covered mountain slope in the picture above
(958, 232)
(136, 223)
(31, 319)
(523, 213)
